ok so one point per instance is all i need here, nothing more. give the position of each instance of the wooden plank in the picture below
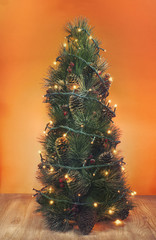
(19, 222)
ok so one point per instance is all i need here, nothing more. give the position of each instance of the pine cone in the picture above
(105, 157)
(73, 81)
(77, 183)
(76, 104)
(61, 145)
(86, 219)
(102, 89)
(108, 115)
(97, 146)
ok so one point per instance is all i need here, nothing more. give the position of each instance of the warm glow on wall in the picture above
(31, 35)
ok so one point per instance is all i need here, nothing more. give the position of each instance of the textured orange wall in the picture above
(30, 36)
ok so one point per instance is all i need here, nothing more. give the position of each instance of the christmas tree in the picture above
(81, 168)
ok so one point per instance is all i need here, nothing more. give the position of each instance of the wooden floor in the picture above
(19, 222)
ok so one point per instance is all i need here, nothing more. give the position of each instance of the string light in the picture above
(115, 105)
(114, 151)
(44, 166)
(76, 40)
(68, 179)
(82, 125)
(44, 132)
(123, 168)
(65, 134)
(118, 222)
(95, 204)
(65, 45)
(109, 131)
(55, 86)
(51, 122)
(110, 79)
(79, 29)
(105, 50)
(90, 90)
(106, 173)
(66, 176)
(39, 151)
(118, 191)
(93, 174)
(90, 37)
(133, 193)
(79, 194)
(74, 86)
(111, 211)
(51, 202)
(109, 101)
(51, 169)
(51, 190)
(54, 62)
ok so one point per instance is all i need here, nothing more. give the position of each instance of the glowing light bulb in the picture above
(93, 174)
(74, 86)
(76, 40)
(109, 101)
(55, 86)
(105, 50)
(51, 202)
(123, 168)
(115, 105)
(111, 79)
(66, 176)
(50, 190)
(79, 29)
(114, 151)
(118, 222)
(90, 90)
(106, 173)
(82, 125)
(51, 122)
(95, 204)
(109, 131)
(68, 179)
(44, 166)
(51, 169)
(79, 194)
(65, 45)
(90, 37)
(118, 191)
(65, 134)
(110, 211)
(39, 151)
(133, 193)
(54, 62)
(44, 132)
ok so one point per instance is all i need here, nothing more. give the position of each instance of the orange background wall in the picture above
(30, 37)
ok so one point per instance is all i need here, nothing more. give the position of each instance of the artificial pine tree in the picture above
(81, 169)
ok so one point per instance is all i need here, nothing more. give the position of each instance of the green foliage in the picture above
(80, 161)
